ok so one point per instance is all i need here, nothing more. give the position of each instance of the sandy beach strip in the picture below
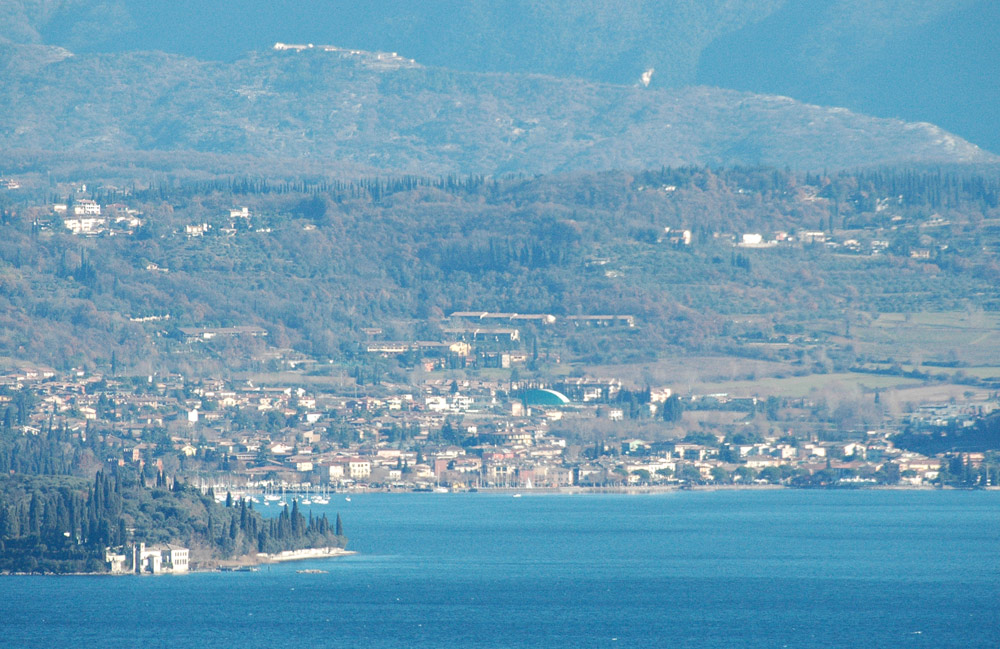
(307, 553)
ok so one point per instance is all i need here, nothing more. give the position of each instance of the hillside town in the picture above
(474, 398)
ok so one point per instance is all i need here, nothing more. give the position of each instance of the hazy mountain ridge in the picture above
(923, 59)
(919, 60)
(594, 39)
(388, 114)
(72, 23)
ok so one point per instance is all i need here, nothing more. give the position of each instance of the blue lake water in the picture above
(688, 569)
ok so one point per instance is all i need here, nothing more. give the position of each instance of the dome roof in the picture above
(545, 397)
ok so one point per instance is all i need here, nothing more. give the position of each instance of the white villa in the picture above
(155, 559)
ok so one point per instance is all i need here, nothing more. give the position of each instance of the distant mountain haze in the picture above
(916, 60)
(921, 60)
(389, 114)
(603, 40)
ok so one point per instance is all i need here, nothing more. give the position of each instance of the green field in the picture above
(969, 338)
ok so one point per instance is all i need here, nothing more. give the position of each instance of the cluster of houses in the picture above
(443, 433)
(239, 218)
(871, 242)
(819, 237)
(86, 217)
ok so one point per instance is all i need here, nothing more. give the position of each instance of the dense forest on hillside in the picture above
(319, 260)
(985, 435)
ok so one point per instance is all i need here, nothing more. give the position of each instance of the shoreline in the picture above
(305, 553)
(238, 564)
(254, 560)
(659, 489)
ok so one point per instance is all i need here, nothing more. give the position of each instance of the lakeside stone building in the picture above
(155, 559)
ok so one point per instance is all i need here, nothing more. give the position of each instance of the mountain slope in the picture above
(919, 60)
(386, 113)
